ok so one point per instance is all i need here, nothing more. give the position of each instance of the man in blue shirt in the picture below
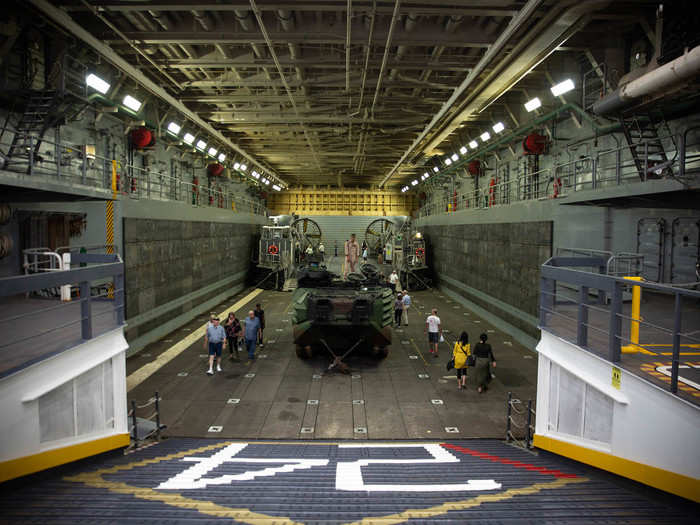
(406, 305)
(215, 337)
(252, 332)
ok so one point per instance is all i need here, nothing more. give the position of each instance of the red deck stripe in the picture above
(514, 463)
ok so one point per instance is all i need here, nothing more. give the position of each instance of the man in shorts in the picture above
(215, 339)
(434, 331)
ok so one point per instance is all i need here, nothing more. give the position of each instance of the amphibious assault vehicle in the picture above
(336, 316)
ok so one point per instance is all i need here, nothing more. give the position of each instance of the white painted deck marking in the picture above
(140, 375)
(666, 370)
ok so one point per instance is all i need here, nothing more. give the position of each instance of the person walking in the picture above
(364, 254)
(252, 333)
(484, 360)
(460, 352)
(260, 314)
(406, 305)
(215, 340)
(434, 331)
(322, 250)
(336, 248)
(398, 309)
(352, 254)
(233, 335)
(393, 279)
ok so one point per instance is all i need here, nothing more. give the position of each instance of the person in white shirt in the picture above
(322, 250)
(406, 304)
(393, 279)
(434, 331)
(309, 250)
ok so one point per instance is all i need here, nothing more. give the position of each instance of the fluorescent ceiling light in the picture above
(276, 187)
(213, 151)
(267, 182)
(244, 167)
(222, 157)
(463, 150)
(473, 144)
(533, 104)
(454, 157)
(562, 87)
(498, 127)
(188, 138)
(435, 169)
(97, 83)
(201, 144)
(174, 128)
(414, 182)
(448, 161)
(255, 174)
(426, 174)
(485, 136)
(131, 103)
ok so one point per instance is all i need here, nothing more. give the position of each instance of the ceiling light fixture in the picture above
(213, 151)
(131, 103)
(473, 144)
(174, 128)
(436, 169)
(201, 144)
(562, 87)
(188, 138)
(448, 161)
(222, 157)
(426, 174)
(485, 136)
(244, 167)
(498, 127)
(276, 187)
(236, 165)
(97, 83)
(532, 105)
(463, 150)
(414, 182)
(454, 157)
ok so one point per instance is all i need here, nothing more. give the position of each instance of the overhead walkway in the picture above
(258, 482)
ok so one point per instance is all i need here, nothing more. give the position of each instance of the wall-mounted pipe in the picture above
(656, 81)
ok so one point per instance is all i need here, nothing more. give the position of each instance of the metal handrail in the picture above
(554, 275)
(588, 172)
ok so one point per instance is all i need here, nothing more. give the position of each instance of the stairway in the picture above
(642, 137)
(31, 127)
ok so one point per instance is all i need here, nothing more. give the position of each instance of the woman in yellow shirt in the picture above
(460, 353)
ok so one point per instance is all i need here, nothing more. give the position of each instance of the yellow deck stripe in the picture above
(419, 352)
(401, 517)
(140, 375)
(678, 484)
(15, 468)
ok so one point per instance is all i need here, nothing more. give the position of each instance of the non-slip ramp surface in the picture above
(199, 480)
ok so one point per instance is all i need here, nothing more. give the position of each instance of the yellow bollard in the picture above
(635, 316)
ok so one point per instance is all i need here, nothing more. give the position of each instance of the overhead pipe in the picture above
(64, 20)
(515, 24)
(656, 81)
(347, 48)
(385, 58)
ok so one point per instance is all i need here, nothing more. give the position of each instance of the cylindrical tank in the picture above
(215, 169)
(534, 144)
(474, 167)
(142, 137)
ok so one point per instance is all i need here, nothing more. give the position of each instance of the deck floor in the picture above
(279, 396)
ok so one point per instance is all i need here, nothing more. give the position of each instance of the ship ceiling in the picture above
(325, 98)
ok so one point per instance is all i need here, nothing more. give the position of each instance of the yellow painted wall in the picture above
(318, 201)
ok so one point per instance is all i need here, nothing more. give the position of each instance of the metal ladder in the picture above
(645, 146)
(32, 126)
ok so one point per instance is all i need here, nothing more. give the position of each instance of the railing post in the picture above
(615, 322)
(85, 310)
(30, 169)
(618, 166)
(676, 343)
(594, 173)
(529, 423)
(157, 416)
(508, 412)
(133, 422)
(119, 297)
(582, 329)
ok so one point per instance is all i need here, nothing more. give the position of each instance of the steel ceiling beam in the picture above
(65, 21)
